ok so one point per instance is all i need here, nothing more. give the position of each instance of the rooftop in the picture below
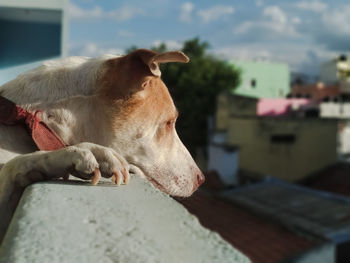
(259, 239)
(310, 212)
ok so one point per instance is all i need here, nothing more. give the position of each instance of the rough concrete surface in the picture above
(76, 222)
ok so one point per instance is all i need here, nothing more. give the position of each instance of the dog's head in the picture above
(143, 117)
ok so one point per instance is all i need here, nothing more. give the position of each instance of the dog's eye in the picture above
(170, 124)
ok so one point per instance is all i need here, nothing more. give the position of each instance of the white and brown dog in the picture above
(114, 114)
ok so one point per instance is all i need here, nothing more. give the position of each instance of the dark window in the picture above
(336, 99)
(343, 57)
(312, 113)
(282, 138)
(253, 83)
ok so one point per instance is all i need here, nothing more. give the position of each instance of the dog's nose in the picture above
(200, 178)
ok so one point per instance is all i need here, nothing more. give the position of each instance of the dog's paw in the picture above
(96, 160)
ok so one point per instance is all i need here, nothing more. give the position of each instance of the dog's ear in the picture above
(126, 75)
(152, 59)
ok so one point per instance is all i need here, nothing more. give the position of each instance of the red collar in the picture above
(45, 138)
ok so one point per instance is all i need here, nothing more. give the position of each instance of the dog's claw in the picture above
(113, 178)
(126, 176)
(96, 177)
(119, 178)
(116, 178)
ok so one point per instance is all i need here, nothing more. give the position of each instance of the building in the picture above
(336, 70)
(316, 215)
(262, 79)
(31, 31)
(333, 84)
(286, 147)
(317, 91)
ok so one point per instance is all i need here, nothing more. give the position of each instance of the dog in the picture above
(114, 115)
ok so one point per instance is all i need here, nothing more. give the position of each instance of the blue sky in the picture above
(302, 33)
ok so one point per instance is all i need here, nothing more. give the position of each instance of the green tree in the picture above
(194, 87)
(131, 49)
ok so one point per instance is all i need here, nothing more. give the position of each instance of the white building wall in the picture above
(225, 162)
(329, 72)
(335, 110)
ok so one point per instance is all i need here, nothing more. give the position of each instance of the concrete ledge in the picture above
(76, 222)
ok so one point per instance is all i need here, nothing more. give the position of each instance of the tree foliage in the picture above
(194, 87)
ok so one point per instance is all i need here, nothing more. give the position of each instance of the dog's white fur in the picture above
(114, 112)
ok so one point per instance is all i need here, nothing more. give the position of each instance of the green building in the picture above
(262, 79)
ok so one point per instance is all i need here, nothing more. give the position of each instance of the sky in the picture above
(302, 33)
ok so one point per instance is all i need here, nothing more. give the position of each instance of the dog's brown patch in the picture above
(131, 89)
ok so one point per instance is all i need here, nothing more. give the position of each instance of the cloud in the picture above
(215, 13)
(276, 14)
(244, 52)
(314, 6)
(76, 12)
(170, 44)
(300, 57)
(296, 20)
(330, 29)
(91, 49)
(259, 3)
(338, 20)
(125, 33)
(186, 12)
(274, 23)
(122, 14)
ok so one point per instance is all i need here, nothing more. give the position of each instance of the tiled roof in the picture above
(335, 179)
(261, 241)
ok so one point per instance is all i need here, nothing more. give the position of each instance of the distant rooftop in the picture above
(260, 240)
(311, 212)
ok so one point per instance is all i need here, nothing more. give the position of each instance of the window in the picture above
(29, 35)
(253, 83)
(282, 139)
